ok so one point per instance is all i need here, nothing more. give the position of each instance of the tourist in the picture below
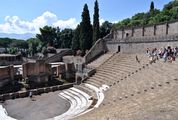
(148, 52)
(30, 94)
(165, 56)
(137, 60)
(175, 51)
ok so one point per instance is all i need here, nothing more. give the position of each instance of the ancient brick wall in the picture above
(118, 34)
(137, 32)
(6, 75)
(161, 29)
(38, 69)
(173, 28)
(98, 48)
(149, 31)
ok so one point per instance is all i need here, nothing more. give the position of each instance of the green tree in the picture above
(57, 40)
(152, 7)
(96, 32)
(13, 50)
(76, 39)
(66, 36)
(154, 16)
(170, 5)
(105, 28)
(34, 45)
(47, 35)
(85, 30)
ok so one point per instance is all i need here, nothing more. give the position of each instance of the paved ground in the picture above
(42, 107)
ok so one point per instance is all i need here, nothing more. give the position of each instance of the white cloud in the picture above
(101, 21)
(114, 22)
(70, 23)
(13, 24)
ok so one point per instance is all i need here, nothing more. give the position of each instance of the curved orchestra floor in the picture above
(38, 108)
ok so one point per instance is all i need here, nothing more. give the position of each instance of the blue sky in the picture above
(26, 16)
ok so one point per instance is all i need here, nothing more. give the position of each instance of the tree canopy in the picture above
(96, 27)
(153, 16)
(85, 30)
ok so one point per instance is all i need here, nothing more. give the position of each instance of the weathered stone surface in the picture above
(7, 75)
(23, 94)
(38, 72)
(148, 94)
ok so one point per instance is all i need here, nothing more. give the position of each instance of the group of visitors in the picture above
(167, 54)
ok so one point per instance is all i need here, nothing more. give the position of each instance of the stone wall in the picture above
(6, 75)
(39, 91)
(8, 59)
(58, 57)
(161, 29)
(139, 47)
(136, 40)
(98, 48)
(37, 72)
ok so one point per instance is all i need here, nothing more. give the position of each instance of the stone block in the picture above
(6, 96)
(12, 95)
(61, 87)
(47, 89)
(23, 94)
(54, 88)
(34, 92)
(40, 91)
(16, 95)
(70, 67)
(61, 69)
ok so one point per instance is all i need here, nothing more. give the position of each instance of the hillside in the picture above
(153, 16)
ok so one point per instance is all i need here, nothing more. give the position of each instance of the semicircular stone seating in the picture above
(122, 88)
(135, 89)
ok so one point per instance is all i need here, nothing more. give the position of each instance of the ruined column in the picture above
(167, 28)
(154, 29)
(143, 31)
(11, 72)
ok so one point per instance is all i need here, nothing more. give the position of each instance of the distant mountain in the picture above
(17, 36)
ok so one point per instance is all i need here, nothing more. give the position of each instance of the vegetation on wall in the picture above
(153, 16)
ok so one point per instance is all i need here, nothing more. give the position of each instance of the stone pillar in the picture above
(61, 71)
(122, 33)
(24, 70)
(154, 30)
(11, 72)
(167, 28)
(78, 78)
(132, 32)
(70, 72)
(143, 31)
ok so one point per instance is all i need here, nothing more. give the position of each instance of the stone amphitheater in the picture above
(121, 88)
(138, 91)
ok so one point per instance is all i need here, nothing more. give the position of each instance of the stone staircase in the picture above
(124, 89)
(137, 90)
(100, 60)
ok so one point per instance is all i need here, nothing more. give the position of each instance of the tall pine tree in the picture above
(152, 8)
(96, 27)
(75, 40)
(85, 30)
